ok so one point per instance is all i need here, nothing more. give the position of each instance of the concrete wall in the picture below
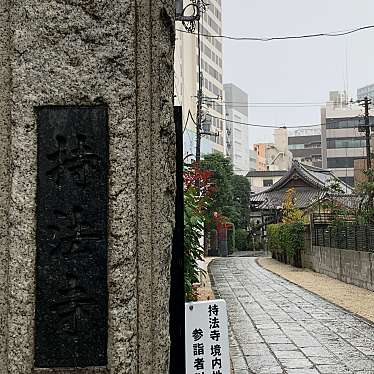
(353, 267)
(117, 52)
(306, 253)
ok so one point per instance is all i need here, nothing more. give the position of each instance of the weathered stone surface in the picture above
(80, 52)
(4, 176)
(72, 371)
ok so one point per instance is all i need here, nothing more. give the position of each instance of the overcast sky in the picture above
(299, 70)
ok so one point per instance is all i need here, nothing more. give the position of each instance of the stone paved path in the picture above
(277, 327)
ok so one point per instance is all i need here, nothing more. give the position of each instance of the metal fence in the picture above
(344, 236)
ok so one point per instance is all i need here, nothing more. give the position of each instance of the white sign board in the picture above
(207, 340)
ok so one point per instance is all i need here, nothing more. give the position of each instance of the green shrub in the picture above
(273, 237)
(241, 240)
(193, 228)
(285, 239)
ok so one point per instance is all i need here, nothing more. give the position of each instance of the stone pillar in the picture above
(78, 52)
(4, 178)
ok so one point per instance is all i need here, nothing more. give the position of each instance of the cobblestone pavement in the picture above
(278, 327)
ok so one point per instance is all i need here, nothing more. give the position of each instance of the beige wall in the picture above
(259, 181)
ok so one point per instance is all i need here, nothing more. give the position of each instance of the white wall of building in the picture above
(237, 135)
(212, 69)
(186, 80)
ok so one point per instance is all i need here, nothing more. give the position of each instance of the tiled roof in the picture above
(274, 199)
(316, 179)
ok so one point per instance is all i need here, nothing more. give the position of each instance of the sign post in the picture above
(207, 342)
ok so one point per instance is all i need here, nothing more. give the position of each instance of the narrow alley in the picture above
(278, 327)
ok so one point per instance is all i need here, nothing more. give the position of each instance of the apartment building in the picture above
(343, 140)
(186, 81)
(212, 74)
(237, 141)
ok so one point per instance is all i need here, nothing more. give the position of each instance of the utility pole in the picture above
(199, 97)
(366, 102)
(367, 135)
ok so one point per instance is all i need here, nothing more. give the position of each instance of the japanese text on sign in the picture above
(207, 346)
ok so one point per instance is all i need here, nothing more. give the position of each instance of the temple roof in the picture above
(308, 183)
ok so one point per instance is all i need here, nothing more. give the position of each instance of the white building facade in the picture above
(212, 74)
(186, 64)
(237, 135)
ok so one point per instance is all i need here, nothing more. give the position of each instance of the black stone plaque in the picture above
(71, 262)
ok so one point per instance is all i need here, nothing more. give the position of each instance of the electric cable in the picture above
(273, 126)
(267, 106)
(188, 116)
(289, 37)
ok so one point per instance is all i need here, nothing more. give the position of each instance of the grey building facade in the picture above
(343, 142)
(306, 149)
(366, 91)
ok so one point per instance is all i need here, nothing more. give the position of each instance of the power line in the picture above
(188, 116)
(267, 106)
(275, 127)
(282, 101)
(265, 102)
(290, 37)
(263, 126)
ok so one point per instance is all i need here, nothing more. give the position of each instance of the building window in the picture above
(348, 180)
(341, 162)
(333, 143)
(267, 182)
(296, 146)
(346, 123)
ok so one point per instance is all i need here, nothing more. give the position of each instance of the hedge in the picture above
(241, 240)
(285, 241)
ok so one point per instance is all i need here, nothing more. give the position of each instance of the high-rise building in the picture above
(185, 87)
(366, 91)
(187, 78)
(305, 146)
(342, 140)
(237, 142)
(212, 73)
